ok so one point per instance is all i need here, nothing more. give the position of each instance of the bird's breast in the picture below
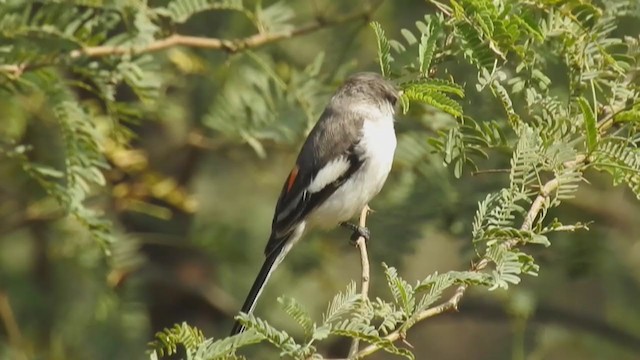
(376, 149)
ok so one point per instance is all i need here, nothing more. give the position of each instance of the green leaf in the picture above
(540, 239)
(503, 95)
(342, 304)
(409, 37)
(47, 171)
(166, 341)
(321, 332)
(590, 125)
(433, 285)
(274, 18)
(437, 85)
(621, 159)
(181, 10)
(427, 48)
(434, 98)
(298, 313)
(401, 290)
(280, 339)
(382, 343)
(225, 348)
(384, 49)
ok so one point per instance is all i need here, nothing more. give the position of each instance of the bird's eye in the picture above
(392, 98)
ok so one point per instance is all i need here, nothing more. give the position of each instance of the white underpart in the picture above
(329, 173)
(378, 145)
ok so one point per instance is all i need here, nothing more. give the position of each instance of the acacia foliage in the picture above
(552, 140)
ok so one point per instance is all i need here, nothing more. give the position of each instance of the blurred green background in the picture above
(192, 210)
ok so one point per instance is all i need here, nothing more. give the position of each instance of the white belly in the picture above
(379, 144)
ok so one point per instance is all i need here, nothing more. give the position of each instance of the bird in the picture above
(342, 165)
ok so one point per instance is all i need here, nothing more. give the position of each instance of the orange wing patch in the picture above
(292, 177)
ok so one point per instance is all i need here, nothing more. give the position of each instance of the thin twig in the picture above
(489, 171)
(10, 323)
(361, 243)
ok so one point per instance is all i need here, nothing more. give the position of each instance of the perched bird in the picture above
(342, 165)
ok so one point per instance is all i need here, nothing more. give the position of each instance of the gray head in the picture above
(367, 88)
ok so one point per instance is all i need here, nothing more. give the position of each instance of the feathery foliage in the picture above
(552, 141)
(89, 72)
(167, 341)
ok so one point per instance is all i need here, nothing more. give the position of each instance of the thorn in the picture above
(474, 265)
(404, 341)
(455, 305)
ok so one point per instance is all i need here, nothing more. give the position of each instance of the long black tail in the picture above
(269, 265)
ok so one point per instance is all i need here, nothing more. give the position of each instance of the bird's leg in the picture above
(357, 231)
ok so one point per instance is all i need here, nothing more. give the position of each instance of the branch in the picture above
(230, 46)
(361, 243)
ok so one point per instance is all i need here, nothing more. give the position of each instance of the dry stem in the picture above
(361, 243)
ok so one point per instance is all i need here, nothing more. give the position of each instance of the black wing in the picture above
(336, 140)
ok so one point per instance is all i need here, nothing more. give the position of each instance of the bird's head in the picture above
(368, 88)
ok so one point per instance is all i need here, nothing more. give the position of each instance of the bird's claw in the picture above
(358, 231)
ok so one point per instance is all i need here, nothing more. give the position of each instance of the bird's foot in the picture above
(358, 231)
